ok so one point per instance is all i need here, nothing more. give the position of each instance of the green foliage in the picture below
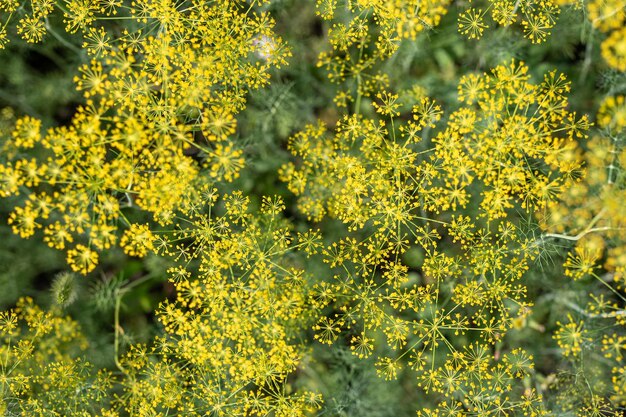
(64, 289)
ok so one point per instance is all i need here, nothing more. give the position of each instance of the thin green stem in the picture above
(118, 302)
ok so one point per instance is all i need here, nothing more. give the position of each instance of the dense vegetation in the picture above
(313, 208)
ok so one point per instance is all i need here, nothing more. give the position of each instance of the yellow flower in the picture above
(614, 49)
(571, 337)
(582, 262)
(82, 259)
(612, 113)
(226, 162)
(471, 23)
(137, 240)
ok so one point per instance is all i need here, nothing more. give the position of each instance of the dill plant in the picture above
(383, 241)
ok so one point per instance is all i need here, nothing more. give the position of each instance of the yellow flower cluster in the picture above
(160, 109)
(592, 217)
(487, 388)
(511, 147)
(609, 17)
(396, 19)
(35, 16)
(517, 140)
(137, 240)
(591, 213)
(40, 367)
(571, 336)
(537, 18)
(233, 331)
(371, 33)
